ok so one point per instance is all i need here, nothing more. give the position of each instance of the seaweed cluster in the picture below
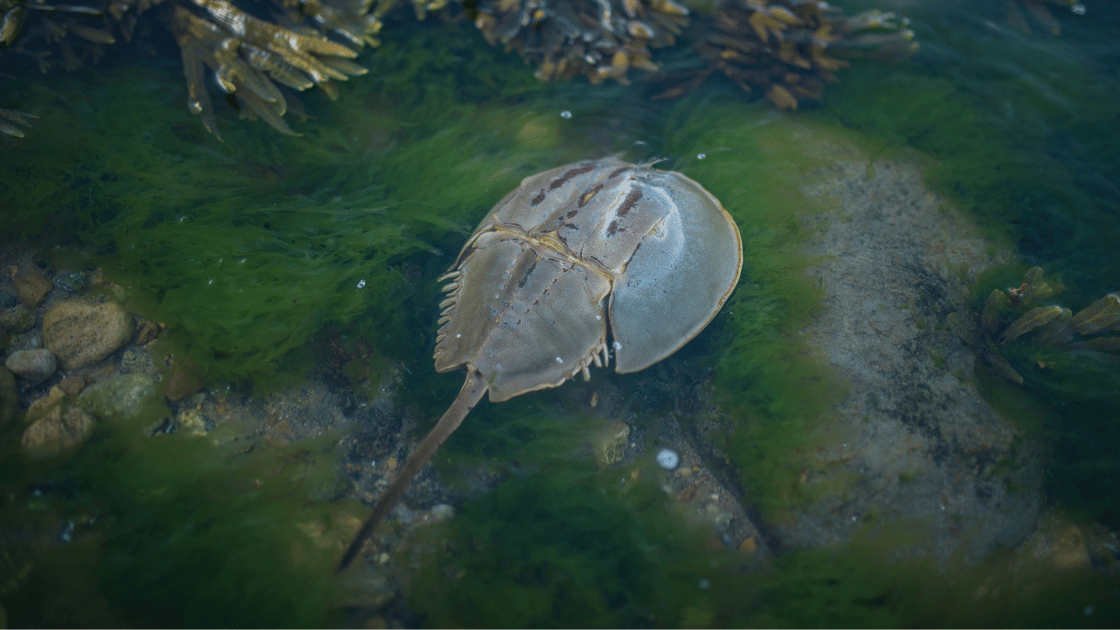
(790, 48)
(787, 48)
(1052, 325)
(252, 59)
(599, 39)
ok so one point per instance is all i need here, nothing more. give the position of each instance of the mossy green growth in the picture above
(576, 550)
(774, 392)
(245, 248)
(178, 532)
(1013, 122)
(580, 551)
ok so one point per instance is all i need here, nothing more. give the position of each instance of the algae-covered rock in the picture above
(184, 380)
(136, 360)
(31, 286)
(83, 332)
(35, 365)
(118, 397)
(60, 430)
(913, 439)
(9, 396)
(16, 319)
(610, 443)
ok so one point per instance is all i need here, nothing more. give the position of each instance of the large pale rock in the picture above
(118, 397)
(913, 441)
(35, 366)
(81, 332)
(58, 431)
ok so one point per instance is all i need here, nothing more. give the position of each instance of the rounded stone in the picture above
(82, 332)
(7, 300)
(31, 286)
(35, 366)
(120, 396)
(184, 380)
(72, 385)
(58, 431)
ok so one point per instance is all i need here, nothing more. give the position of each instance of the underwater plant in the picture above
(11, 121)
(789, 48)
(599, 40)
(784, 47)
(250, 58)
(1054, 327)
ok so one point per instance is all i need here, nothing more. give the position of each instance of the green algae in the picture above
(553, 551)
(1014, 122)
(388, 177)
(773, 391)
(179, 532)
(247, 248)
(548, 551)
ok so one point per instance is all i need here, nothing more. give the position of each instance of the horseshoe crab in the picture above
(572, 253)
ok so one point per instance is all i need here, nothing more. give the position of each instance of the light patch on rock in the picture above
(913, 439)
(120, 396)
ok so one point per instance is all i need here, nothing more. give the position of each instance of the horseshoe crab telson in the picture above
(572, 253)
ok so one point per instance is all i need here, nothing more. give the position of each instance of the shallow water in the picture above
(254, 252)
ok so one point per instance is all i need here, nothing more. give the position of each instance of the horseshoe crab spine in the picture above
(473, 389)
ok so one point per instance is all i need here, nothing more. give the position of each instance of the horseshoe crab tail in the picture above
(473, 389)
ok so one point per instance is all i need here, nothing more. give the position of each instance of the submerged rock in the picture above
(82, 332)
(16, 319)
(184, 380)
(610, 443)
(58, 431)
(120, 396)
(913, 440)
(31, 286)
(35, 366)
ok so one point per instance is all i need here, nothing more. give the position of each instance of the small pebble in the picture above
(7, 300)
(668, 459)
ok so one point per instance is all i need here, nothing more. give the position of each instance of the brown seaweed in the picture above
(789, 49)
(599, 39)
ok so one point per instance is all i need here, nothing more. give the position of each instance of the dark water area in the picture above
(300, 273)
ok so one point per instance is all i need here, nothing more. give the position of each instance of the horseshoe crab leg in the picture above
(473, 389)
